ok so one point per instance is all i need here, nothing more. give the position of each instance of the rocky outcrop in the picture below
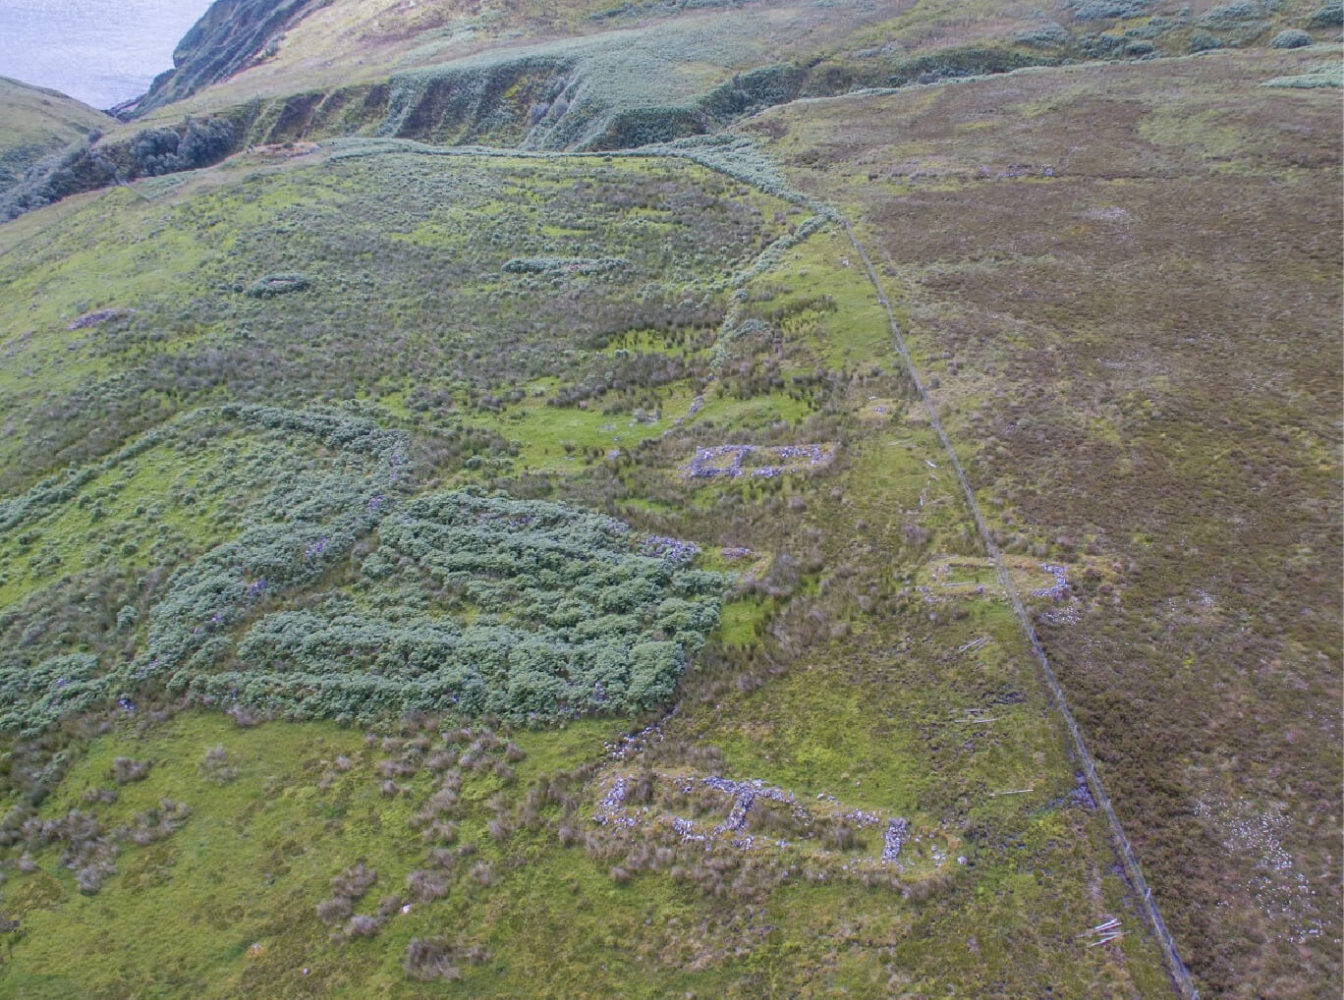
(229, 37)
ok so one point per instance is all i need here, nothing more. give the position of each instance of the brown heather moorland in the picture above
(1123, 283)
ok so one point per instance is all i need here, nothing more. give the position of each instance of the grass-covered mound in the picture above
(37, 122)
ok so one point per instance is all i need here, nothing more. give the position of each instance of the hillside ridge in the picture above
(230, 36)
(610, 83)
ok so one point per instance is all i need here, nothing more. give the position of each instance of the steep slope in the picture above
(576, 78)
(228, 38)
(846, 45)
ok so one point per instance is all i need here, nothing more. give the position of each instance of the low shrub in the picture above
(361, 925)
(428, 959)
(1096, 10)
(1229, 15)
(565, 265)
(277, 284)
(1290, 38)
(155, 823)
(1050, 35)
(426, 886)
(354, 882)
(1321, 75)
(216, 767)
(333, 911)
(90, 878)
(1328, 15)
(951, 64)
(1202, 41)
(126, 770)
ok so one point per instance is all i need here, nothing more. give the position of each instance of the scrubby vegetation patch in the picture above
(565, 265)
(1096, 10)
(1322, 74)
(97, 317)
(520, 609)
(277, 284)
(1290, 38)
(1328, 15)
(346, 599)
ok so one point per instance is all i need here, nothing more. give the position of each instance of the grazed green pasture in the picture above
(437, 570)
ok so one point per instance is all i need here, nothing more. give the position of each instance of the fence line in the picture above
(1179, 974)
(1175, 967)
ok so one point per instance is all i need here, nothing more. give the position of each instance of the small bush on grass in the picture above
(215, 767)
(428, 959)
(1290, 38)
(1047, 36)
(1096, 10)
(125, 770)
(277, 284)
(1229, 15)
(1328, 15)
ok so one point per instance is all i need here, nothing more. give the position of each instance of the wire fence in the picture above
(1179, 974)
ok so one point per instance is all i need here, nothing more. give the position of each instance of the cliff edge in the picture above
(230, 36)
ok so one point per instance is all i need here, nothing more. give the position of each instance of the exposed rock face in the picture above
(229, 37)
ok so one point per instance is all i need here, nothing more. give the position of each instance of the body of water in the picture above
(101, 52)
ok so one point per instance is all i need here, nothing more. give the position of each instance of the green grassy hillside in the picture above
(38, 123)
(479, 536)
